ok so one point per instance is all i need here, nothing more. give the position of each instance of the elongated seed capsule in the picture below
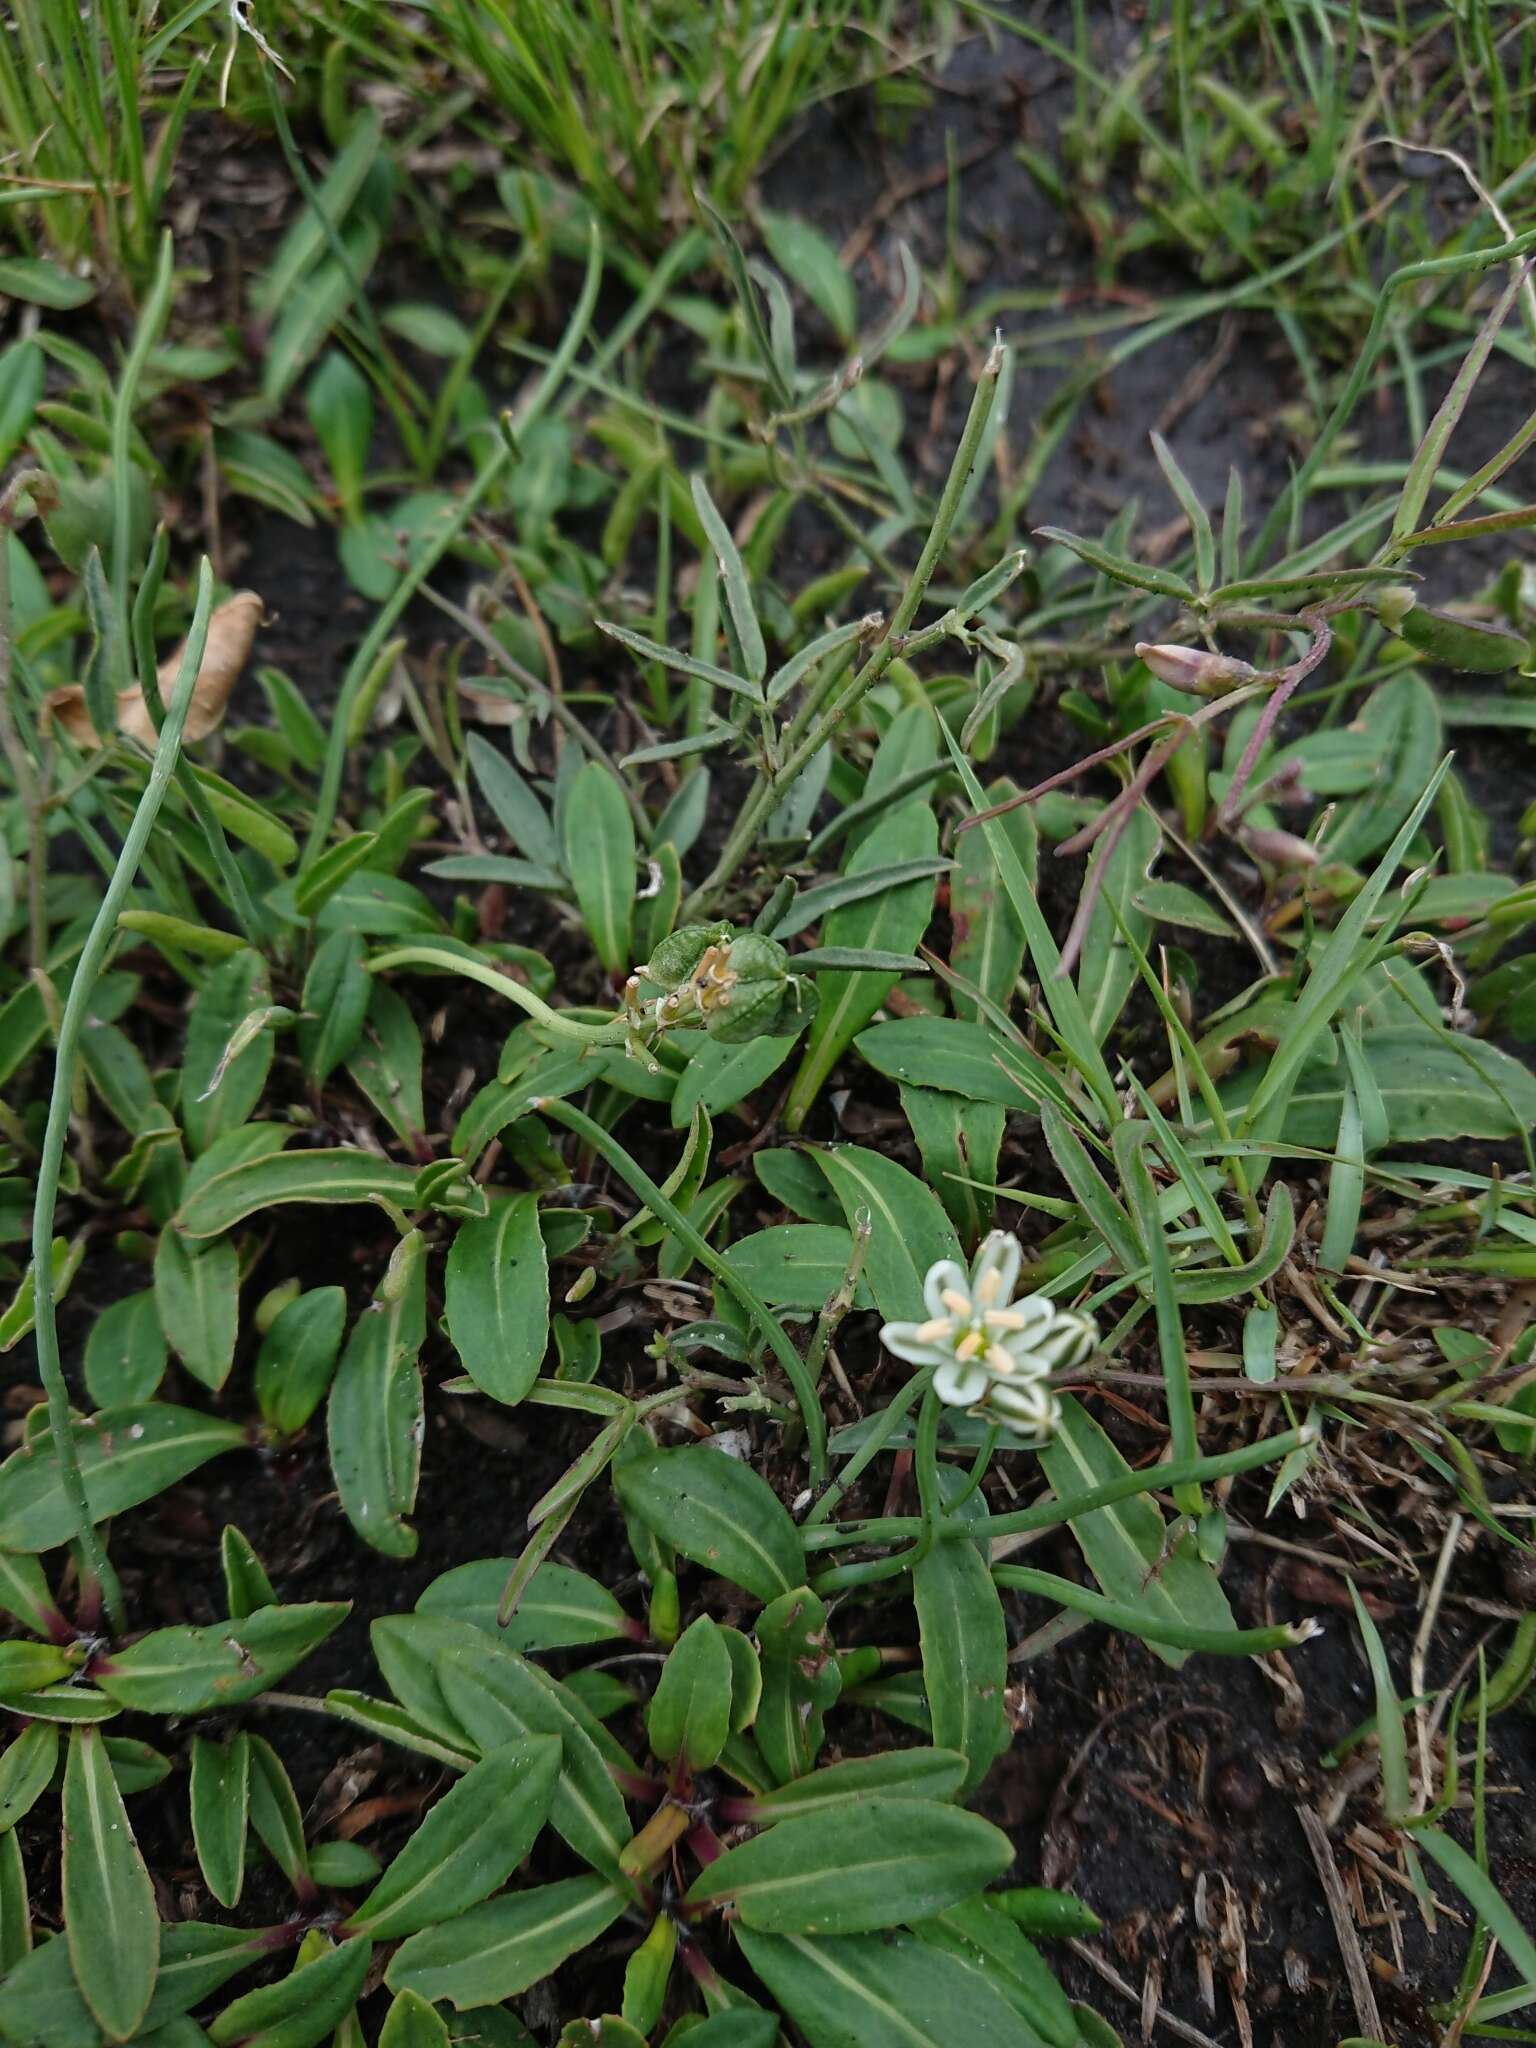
(1038, 1910)
(1471, 645)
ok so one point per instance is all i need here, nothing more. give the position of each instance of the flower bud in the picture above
(1194, 668)
(1280, 849)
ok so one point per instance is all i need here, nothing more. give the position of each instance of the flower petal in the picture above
(1066, 1343)
(946, 1273)
(1036, 1316)
(901, 1339)
(1028, 1406)
(1001, 1254)
(960, 1386)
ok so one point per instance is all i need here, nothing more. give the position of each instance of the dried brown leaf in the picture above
(231, 632)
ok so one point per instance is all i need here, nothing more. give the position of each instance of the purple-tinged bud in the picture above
(1280, 849)
(1194, 668)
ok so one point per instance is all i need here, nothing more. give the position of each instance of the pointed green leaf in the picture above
(717, 1512)
(797, 1265)
(600, 860)
(337, 991)
(275, 1814)
(28, 1667)
(127, 1455)
(412, 2023)
(851, 1873)
(25, 1593)
(469, 1844)
(184, 1670)
(496, 1950)
(197, 1298)
(965, 1652)
(251, 1185)
(800, 1681)
(497, 1298)
(304, 2008)
(690, 1711)
(1125, 1545)
(125, 1353)
(220, 1798)
(110, 1918)
(977, 1933)
(738, 593)
(881, 1991)
(518, 811)
(386, 1063)
(895, 1773)
(219, 1089)
(42, 2004)
(893, 921)
(15, 1905)
(375, 1416)
(909, 1230)
(502, 1698)
(27, 1765)
(297, 1359)
(560, 1607)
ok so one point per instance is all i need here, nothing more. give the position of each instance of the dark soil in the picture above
(1166, 1798)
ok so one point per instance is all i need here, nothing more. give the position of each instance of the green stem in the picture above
(748, 826)
(29, 788)
(151, 320)
(614, 1032)
(866, 1454)
(1051, 1514)
(76, 1011)
(1410, 273)
(925, 1464)
(666, 1212)
(1143, 1622)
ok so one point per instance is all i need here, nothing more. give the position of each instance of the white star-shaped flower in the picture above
(988, 1351)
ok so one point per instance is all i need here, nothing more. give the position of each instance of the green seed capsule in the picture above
(646, 1974)
(1041, 1911)
(1466, 644)
(858, 1666)
(676, 958)
(665, 1609)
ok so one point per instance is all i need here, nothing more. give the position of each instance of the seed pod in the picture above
(859, 1665)
(1041, 1911)
(665, 1609)
(1453, 642)
(760, 997)
(676, 958)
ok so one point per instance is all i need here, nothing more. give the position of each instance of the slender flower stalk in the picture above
(76, 1011)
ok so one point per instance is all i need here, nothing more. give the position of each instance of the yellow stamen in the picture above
(969, 1345)
(1000, 1361)
(1005, 1319)
(986, 1288)
(930, 1333)
(957, 1303)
